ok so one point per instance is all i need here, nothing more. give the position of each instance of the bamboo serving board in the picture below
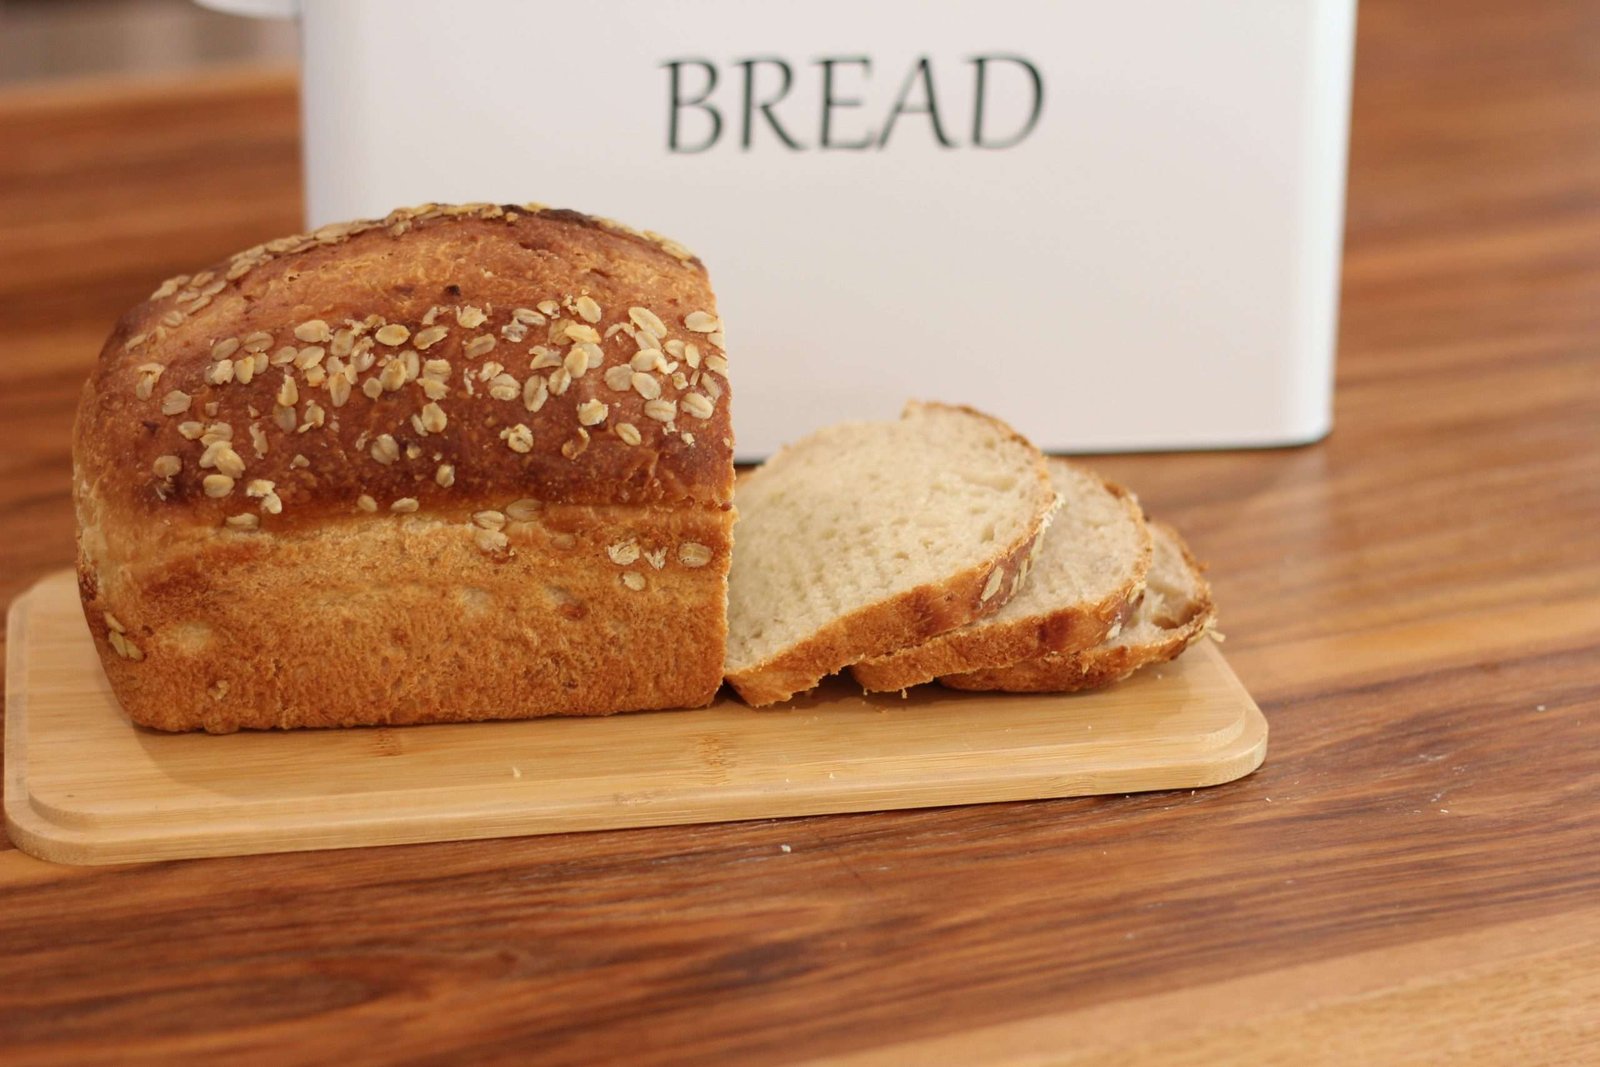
(83, 785)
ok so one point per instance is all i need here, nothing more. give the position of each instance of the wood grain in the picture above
(1415, 603)
(85, 786)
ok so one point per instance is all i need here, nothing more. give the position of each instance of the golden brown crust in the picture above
(406, 619)
(297, 471)
(999, 644)
(1104, 664)
(444, 285)
(911, 617)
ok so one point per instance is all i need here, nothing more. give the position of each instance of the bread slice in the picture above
(1176, 610)
(1091, 568)
(865, 537)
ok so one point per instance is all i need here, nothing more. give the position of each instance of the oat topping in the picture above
(429, 337)
(265, 491)
(221, 456)
(392, 376)
(313, 331)
(592, 412)
(518, 438)
(646, 319)
(524, 510)
(504, 387)
(992, 586)
(693, 554)
(394, 335)
(698, 405)
(124, 647)
(405, 505)
(149, 374)
(633, 580)
(490, 540)
(433, 418)
(579, 331)
(574, 447)
(359, 350)
(534, 393)
(646, 386)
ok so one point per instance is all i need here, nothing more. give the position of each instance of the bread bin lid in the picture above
(259, 9)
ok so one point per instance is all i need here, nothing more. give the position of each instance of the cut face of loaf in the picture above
(1090, 570)
(1176, 610)
(460, 463)
(865, 537)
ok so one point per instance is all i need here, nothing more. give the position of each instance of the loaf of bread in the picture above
(469, 462)
(1174, 611)
(1090, 572)
(865, 537)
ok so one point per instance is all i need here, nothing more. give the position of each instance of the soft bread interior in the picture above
(859, 513)
(1095, 545)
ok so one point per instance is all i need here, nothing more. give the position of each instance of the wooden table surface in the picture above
(1414, 876)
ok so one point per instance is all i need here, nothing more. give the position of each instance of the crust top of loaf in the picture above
(438, 356)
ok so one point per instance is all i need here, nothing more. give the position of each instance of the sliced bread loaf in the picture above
(1090, 570)
(865, 537)
(1176, 610)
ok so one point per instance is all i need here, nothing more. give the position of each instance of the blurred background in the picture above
(59, 39)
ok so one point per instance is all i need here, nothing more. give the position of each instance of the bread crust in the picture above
(1104, 664)
(485, 528)
(990, 643)
(921, 613)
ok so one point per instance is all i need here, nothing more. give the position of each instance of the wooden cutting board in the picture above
(83, 785)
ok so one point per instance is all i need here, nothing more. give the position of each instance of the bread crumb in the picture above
(785, 848)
